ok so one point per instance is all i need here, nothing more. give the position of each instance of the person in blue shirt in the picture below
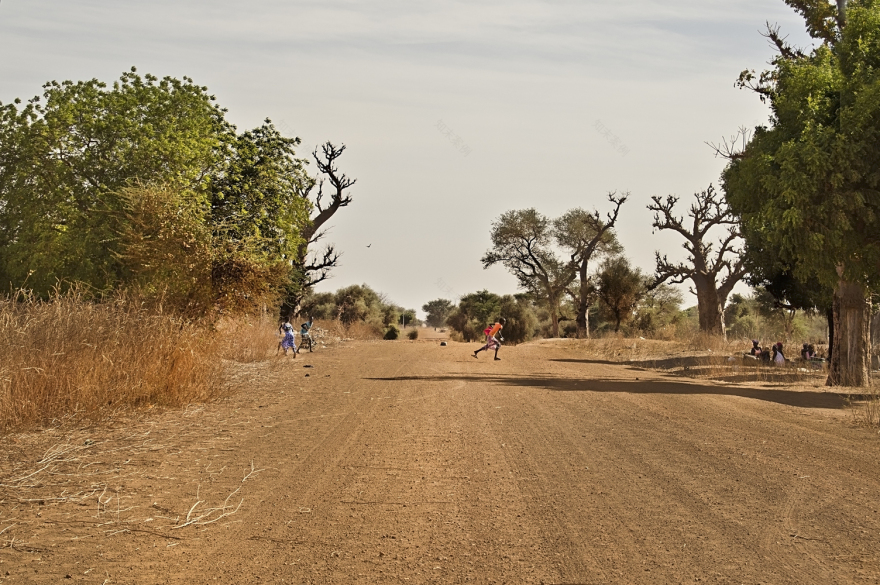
(305, 333)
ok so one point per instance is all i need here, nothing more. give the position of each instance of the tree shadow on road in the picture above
(801, 399)
(720, 369)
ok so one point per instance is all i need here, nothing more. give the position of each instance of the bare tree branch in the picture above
(734, 147)
(714, 274)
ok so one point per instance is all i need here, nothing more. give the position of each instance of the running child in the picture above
(492, 341)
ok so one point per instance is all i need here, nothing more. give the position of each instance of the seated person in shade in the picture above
(807, 352)
(756, 348)
(778, 356)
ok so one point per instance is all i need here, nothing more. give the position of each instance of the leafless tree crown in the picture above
(704, 261)
(316, 266)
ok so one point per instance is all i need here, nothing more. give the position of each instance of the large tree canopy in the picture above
(807, 186)
(523, 242)
(143, 183)
(65, 156)
(256, 191)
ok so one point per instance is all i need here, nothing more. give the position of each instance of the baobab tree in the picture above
(713, 272)
(311, 266)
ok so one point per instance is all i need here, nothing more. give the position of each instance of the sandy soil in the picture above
(402, 462)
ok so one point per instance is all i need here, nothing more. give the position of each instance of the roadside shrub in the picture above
(413, 334)
(391, 333)
(522, 323)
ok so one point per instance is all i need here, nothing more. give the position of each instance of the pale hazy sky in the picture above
(453, 112)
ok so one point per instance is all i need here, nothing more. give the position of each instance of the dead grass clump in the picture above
(359, 330)
(68, 356)
(247, 340)
(865, 408)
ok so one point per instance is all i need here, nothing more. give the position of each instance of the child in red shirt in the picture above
(492, 341)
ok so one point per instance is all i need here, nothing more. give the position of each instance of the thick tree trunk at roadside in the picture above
(851, 360)
(710, 307)
(875, 340)
(583, 307)
(554, 321)
(829, 315)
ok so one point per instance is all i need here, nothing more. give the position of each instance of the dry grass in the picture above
(358, 330)
(68, 358)
(865, 408)
(702, 357)
(72, 359)
(247, 340)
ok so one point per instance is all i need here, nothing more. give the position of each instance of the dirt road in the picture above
(399, 462)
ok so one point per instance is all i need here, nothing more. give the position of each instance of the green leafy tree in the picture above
(256, 192)
(522, 322)
(437, 311)
(585, 237)
(361, 303)
(407, 317)
(522, 242)
(658, 309)
(620, 287)
(65, 157)
(807, 185)
(474, 312)
(319, 305)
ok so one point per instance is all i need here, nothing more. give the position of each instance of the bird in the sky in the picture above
(368, 245)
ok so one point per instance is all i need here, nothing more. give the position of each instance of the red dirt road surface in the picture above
(399, 462)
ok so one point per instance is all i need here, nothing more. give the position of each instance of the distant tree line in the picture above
(358, 304)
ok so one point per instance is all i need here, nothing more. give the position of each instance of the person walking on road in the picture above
(287, 342)
(305, 334)
(491, 339)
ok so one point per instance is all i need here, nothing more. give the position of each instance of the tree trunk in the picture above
(850, 360)
(875, 340)
(554, 322)
(582, 320)
(829, 315)
(709, 308)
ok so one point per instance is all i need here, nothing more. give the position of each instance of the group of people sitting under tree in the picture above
(776, 354)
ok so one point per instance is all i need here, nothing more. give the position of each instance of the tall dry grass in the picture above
(246, 339)
(359, 330)
(68, 357)
(865, 408)
(701, 356)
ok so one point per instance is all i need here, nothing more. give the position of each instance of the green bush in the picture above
(479, 310)
(391, 333)
(413, 334)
